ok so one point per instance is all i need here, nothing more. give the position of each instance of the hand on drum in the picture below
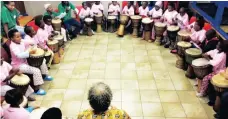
(19, 73)
(95, 13)
(50, 37)
(32, 52)
(206, 56)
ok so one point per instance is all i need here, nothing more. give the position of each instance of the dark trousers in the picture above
(211, 93)
(223, 112)
(72, 22)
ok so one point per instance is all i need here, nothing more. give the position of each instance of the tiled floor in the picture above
(143, 77)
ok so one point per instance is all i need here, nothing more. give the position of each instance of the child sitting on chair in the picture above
(98, 9)
(211, 41)
(182, 18)
(129, 11)
(217, 58)
(19, 55)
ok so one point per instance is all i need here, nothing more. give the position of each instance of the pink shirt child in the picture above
(16, 113)
(115, 8)
(83, 13)
(218, 60)
(28, 41)
(143, 12)
(198, 36)
(155, 13)
(5, 68)
(169, 16)
(182, 21)
(129, 11)
(42, 37)
(97, 8)
(48, 28)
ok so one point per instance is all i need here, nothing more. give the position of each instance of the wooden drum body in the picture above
(159, 30)
(181, 47)
(112, 21)
(60, 40)
(98, 19)
(56, 23)
(47, 56)
(183, 35)
(53, 45)
(123, 21)
(20, 83)
(88, 22)
(147, 27)
(201, 67)
(57, 58)
(36, 59)
(172, 34)
(136, 19)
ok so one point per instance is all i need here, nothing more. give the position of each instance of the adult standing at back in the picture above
(66, 6)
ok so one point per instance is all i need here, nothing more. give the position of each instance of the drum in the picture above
(181, 47)
(36, 59)
(123, 21)
(147, 27)
(56, 58)
(98, 19)
(88, 22)
(183, 35)
(47, 56)
(112, 21)
(20, 83)
(56, 23)
(201, 67)
(60, 40)
(172, 34)
(135, 22)
(37, 113)
(23, 104)
(53, 45)
(159, 30)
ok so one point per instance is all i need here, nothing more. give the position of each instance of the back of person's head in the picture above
(38, 20)
(223, 46)
(28, 29)
(210, 34)
(12, 32)
(171, 4)
(47, 18)
(52, 113)
(200, 22)
(100, 97)
(14, 97)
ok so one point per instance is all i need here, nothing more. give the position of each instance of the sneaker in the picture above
(173, 51)
(93, 32)
(199, 94)
(48, 78)
(40, 92)
(81, 32)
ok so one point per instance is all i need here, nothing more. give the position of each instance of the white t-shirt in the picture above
(115, 8)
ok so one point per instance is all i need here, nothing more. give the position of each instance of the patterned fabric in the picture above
(205, 83)
(112, 113)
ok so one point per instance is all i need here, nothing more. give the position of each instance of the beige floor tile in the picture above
(129, 84)
(173, 110)
(147, 84)
(113, 52)
(127, 51)
(139, 46)
(143, 66)
(154, 118)
(94, 74)
(100, 46)
(74, 95)
(149, 96)
(154, 53)
(117, 95)
(59, 83)
(158, 66)
(114, 84)
(161, 75)
(67, 65)
(111, 58)
(182, 85)
(69, 110)
(84, 58)
(112, 74)
(209, 110)
(116, 104)
(128, 58)
(100, 52)
(128, 75)
(140, 52)
(145, 75)
(112, 65)
(126, 46)
(51, 103)
(80, 74)
(176, 118)
(168, 96)
(155, 59)
(54, 94)
(164, 85)
(113, 46)
(77, 84)
(194, 110)
(141, 59)
(85, 105)
(187, 96)
(136, 117)
(98, 58)
(128, 66)
(130, 95)
(63, 74)
(97, 66)
(152, 109)
(82, 66)
(132, 108)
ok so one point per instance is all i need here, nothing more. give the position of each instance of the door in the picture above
(20, 6)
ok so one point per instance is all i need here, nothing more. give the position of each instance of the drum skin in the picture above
(201, 71)
(36, 60)
(20, 82)
(57, 23)
(181, 47)
(192, 54)
(53, 45)
(172, 33)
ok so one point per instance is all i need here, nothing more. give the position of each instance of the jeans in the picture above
(21, 30)
(72, 22)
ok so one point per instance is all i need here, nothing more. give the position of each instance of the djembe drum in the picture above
(37, 113)
(123, 21)
(56, 23)
(183, 35)
(47, 56)
(54, 46)
(98, 19)
(201, 68)
(112, 21)
(36, 59)
(181, 47)
(147, 27)
(190, 55)
(60, 40)
(20, 82)
(220, 83)
(136, 19)
(88, 23)
(159, 30)
(172, 34)
(23, 104)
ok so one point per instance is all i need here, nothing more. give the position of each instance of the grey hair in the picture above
(100, 97)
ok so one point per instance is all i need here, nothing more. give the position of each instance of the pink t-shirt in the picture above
(129, 11)
(198, 36)
(156, 13)
(182, 21)
(48, 28)
(83, 13)
(169, 16)
(5, 68)
(16, 50)
(218, 60)
(97, 8)
(115, 8)
(15, 113)
(42, 37)
(143, 12)
(28, 41)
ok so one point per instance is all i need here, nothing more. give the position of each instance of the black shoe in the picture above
(216, 116)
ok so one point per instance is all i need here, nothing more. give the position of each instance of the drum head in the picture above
(184, 44)
(200, 62)
(49, 42)
(88, 19)
(193, 51)
(56, 21)
(220, 81)
(20, 80)
(160, 24)
(111, 17)
(136, 17)
(184, 33)
(173, 28)
(39, 52)
(58, 37)
(99, 15)
(147, 20)
(48, 53)
(37, 113)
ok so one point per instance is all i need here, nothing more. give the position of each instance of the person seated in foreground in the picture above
(211, 41)
(100, 97)
(52, 113)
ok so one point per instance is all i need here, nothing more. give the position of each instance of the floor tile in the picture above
(69, 110)
(128, 75)
(168, 96)
(97, 66)
(51, 103)
(143, 66)
(194, 110)
(187, 96)
(93, 74)
(77, 84)
(132, 108)
(147, 84)
(173, 110)
(54, 94)
(59, 83)
(149, 96)
(130, 95)
(112, 74)
(152, 109)
(129, 84)
(74, 95)
(164, 85)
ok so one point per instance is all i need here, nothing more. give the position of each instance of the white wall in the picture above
(34, 8)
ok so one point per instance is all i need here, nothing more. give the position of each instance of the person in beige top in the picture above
(100, 97)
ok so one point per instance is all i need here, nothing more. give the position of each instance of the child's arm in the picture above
(16, 51)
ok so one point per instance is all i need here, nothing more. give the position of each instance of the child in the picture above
(144, 9)
(14, 98)
(7, 73)
(218, 61)
(30, 37)
(129, 10)
(52, 113)
(19, 55)
(98, 9)
(182, 18)
(210, 42)
(114, 9)
(52, 13)
(43, 36)
(156, 14)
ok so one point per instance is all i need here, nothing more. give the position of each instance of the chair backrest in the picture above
(192, 19)
(5, 51)
(32, 24)
(124, 3)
